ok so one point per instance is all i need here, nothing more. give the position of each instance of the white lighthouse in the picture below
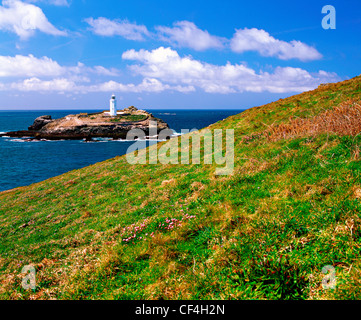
(113, 106)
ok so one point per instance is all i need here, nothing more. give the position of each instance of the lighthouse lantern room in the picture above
(113, 106)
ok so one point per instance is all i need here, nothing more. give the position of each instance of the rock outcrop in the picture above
(40, 122)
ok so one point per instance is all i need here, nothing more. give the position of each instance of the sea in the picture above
(23, 162)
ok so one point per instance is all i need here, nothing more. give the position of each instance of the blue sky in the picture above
(73, 54)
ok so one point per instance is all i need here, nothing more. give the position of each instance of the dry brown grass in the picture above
(168, 182)
(344, 119)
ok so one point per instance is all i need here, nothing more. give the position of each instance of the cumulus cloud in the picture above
(24, 19)
(63, 85)
(187, 34)
(147, 85)
(35, 84)
(167, 66)
(262, 42)
(62, 79)
(30, 66)
(161, 69)
(105, 27)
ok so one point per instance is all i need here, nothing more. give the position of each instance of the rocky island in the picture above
(90, 125)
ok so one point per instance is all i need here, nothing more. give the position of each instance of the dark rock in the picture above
(40, 122)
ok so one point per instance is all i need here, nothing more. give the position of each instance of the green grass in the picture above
(130, 117)
(291, 207)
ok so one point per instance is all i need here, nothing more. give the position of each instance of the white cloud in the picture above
(187, 34)
(69, 78)
(30, 66)
(52, 2)
(63, 85)
(167, 66)
(104, 71)
(24, 19)
(162, 69)
(81, 69)
(35, 84)
(105, 27)
(147, 85)
(262, 42)
(61, 79)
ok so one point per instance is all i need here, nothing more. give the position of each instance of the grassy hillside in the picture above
(120, 231)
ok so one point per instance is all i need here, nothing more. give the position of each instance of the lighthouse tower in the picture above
(113, 106)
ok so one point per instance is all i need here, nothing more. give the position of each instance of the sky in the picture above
(161, 54)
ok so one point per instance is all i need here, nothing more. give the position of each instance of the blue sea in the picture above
(25, 162)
